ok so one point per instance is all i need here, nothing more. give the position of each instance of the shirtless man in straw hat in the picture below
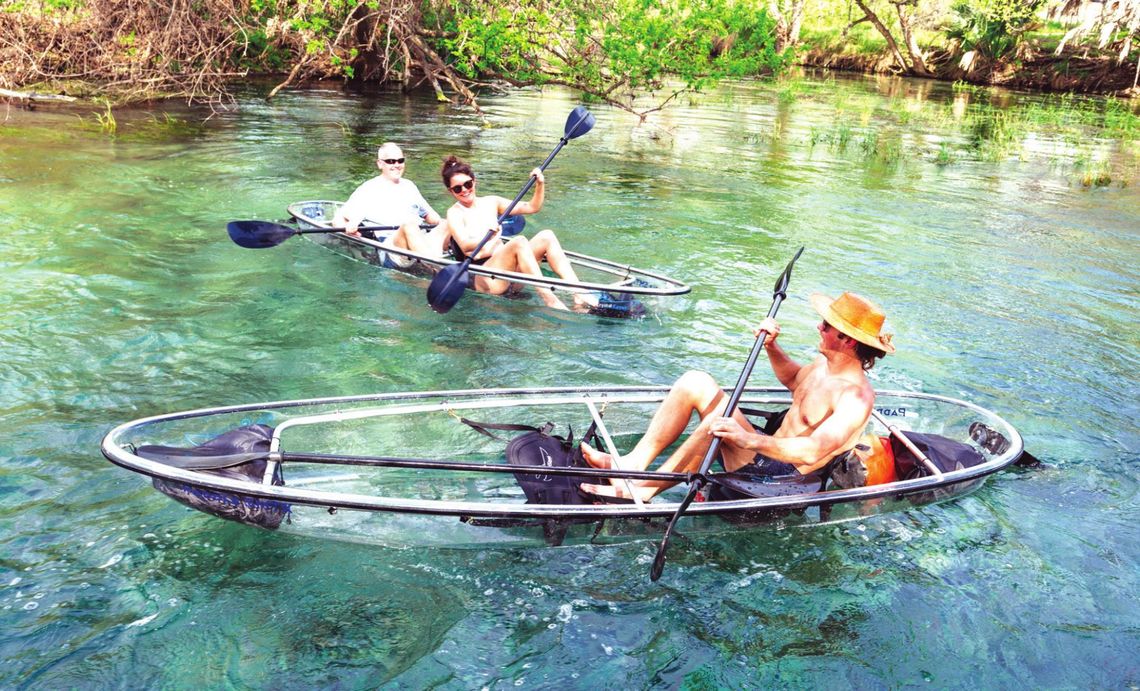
(831, 404)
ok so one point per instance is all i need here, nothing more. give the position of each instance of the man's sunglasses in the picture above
(392, 161)
(456, 189)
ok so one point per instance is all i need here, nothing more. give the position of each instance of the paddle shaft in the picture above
(230, 460)
(301, 231)
(701, 477)
(510, 207)
(897, 434)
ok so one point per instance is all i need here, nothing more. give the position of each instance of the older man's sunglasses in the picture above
(392, 161)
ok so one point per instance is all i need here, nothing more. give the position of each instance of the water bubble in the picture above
(112, 561)
(31, 605)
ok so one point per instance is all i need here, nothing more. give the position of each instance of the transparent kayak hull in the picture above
(345, 495)
(614, 281)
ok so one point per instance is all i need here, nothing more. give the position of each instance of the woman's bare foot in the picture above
(552, 300)
(584, 302)
(595, 458)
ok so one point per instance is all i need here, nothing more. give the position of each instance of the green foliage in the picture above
(42, 6)
(608, 48)
(993, 27)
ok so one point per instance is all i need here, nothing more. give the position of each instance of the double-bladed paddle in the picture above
(450, 283)
(700, 479)
(256, 235)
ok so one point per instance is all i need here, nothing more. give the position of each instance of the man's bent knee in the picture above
(696, 381)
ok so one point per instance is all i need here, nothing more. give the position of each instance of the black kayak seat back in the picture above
(240, 454)
(232, 448)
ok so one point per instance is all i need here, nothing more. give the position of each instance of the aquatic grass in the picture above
(1098, 178)
(1068, 131)
(995, 134)
(106, 120)
(945, 155)
(789, 91)
(843, 137)
(166, 127)
(967, 87)
(1121, 118)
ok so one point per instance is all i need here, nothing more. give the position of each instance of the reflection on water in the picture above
(1008, 273)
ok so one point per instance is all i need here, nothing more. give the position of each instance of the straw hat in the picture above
(854, 316)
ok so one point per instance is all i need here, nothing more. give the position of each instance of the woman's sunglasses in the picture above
(456, 189)
(392, 161)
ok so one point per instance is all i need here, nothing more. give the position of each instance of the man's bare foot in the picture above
(619, 491)
(595, 458)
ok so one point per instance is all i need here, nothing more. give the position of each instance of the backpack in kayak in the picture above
(538, 447)
(222, 456)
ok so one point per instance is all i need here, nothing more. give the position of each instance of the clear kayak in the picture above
(621, 290)
(403, 469)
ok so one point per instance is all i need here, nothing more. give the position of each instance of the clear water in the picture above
(1008, 282)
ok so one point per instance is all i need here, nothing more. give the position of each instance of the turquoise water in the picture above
(1009, 283)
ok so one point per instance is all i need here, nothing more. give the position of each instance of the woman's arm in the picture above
(535, 203)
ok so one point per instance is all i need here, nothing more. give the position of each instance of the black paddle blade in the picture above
(256, 235)
(1027, 460)
(659, 559)
(579, 122)
(782, 282)
(513, 225)
(447, 287)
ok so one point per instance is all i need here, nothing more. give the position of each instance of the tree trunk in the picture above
(919, 65)
(891, 43)
(797, 21)
(788, 22)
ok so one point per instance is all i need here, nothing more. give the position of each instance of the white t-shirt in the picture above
(384, 203)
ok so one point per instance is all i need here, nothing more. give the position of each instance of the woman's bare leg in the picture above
(517, 256)
(546, 246)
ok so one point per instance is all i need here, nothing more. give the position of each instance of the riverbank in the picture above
(1073, 73)
(204, 53)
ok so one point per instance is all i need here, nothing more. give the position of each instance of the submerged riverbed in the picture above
(997, 230)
